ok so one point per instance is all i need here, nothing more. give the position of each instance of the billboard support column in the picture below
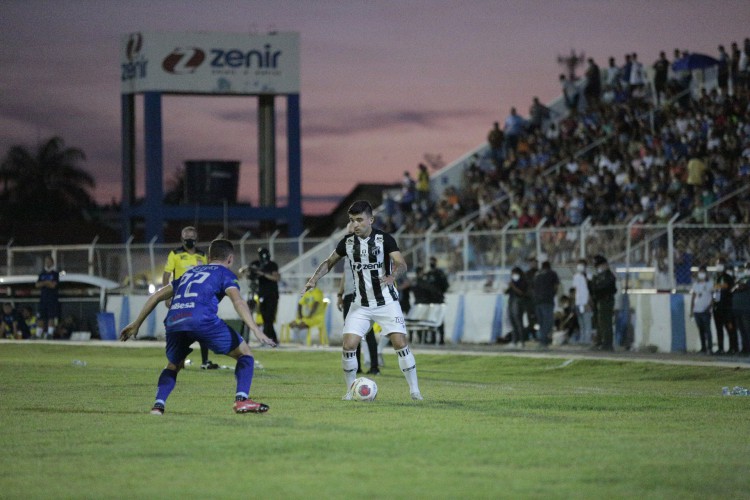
(267, 150)
(294, 170)
(127, 121)
(152, 127)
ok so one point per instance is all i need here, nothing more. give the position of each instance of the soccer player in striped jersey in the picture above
(376, 263)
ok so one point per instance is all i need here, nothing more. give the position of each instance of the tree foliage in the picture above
(43, 185)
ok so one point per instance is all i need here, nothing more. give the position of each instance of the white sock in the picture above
(50, 330)
(349, 364)
(408, 365)
(39, 331)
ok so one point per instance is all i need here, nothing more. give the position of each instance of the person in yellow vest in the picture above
(180, 260)
(310, 308)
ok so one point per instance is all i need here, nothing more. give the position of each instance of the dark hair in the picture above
(220, 250)
(360, 207)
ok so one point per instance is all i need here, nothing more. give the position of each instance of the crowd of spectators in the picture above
(626, 148)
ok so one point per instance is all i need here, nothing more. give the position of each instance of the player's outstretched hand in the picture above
(129, 331)
(308, 286)
(263, 339)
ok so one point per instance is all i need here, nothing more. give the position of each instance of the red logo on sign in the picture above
(183, 60)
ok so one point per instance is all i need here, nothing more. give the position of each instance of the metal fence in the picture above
(644, 256)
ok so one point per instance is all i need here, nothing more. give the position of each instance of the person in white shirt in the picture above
(701, 302)
(583, 302)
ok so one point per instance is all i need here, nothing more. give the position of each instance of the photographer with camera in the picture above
(265, 272)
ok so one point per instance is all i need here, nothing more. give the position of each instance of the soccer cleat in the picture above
(417, 396)
(157, 410)
(249, 406)
(347, 396)
(374, 371)
(208, 365)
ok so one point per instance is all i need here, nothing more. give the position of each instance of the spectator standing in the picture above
(583, 308)
(513, 129)
(723, 73)
(179, 261)
(637, 75)
(593, 89)
(267, 272)
(722, 301)
(700, 308)
(661, 74)
(545, 286)
(570, 93)
(423, 188)
(437, 281)
(49, 300)
(517, 291)
(741, 307)
(530, 274)
(539, 116)
(496, 139)
(603, 290)
(613, 75)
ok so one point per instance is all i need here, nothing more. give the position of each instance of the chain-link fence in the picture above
(660, 257)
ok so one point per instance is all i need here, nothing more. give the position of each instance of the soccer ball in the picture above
(364, 389)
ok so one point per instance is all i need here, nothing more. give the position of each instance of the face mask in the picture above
(720, 267)
(189, 244)
(580, 268)
(701, 276)
(515, 277)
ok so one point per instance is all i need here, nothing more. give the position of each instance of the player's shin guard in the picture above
(349, 364)
(167, 381)
(408, 365)
(243, 374)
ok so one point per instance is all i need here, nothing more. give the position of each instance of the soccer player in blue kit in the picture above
(193, 317)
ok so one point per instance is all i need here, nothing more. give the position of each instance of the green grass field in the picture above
(490, 427)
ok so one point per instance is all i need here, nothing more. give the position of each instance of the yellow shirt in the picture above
(180, 260)
(308, 301)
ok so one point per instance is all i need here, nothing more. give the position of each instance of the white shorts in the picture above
(389, 317)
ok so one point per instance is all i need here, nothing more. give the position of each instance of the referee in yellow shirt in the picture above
(180, 260)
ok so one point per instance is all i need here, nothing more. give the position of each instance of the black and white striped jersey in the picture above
(369, 260)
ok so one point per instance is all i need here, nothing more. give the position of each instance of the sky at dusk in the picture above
(382, 82)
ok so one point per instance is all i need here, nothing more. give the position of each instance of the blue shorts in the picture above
(222, 340)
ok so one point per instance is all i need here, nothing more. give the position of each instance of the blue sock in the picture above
(167, 381)
(243, 373)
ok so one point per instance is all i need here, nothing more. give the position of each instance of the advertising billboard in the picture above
(210, 63)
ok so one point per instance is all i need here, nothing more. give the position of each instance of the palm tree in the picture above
(46, 184)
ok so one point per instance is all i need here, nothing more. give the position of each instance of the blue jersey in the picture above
(197, 294)
(49, 295)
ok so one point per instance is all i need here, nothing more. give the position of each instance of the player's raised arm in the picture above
(131, 330)
(323, 269)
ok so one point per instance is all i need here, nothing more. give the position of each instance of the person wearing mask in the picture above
(266, 272)
(583, 309)
(722, 305)
(741, 307)
(180, 260)
(437, 282)
(603, 290)
(545, 285)
(700, 307)
(517, 291)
